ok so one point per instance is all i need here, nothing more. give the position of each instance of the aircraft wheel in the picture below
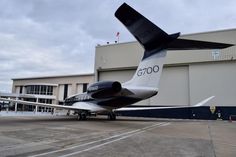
(82, 116)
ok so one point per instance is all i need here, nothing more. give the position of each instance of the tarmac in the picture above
(63, 136)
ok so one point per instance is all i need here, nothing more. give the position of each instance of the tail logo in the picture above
(148, 70)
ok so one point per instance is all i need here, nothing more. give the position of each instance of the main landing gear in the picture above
(82, 116)
(111, 116)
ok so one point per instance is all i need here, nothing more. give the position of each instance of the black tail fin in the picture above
(148, 34)
(155, 41)
(152, 37)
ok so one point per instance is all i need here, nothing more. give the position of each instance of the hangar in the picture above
(188, 76)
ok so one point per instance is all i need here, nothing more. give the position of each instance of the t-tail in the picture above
(155, 43)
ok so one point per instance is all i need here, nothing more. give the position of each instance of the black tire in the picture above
(82, 116)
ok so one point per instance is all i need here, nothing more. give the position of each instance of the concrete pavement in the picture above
(40, 136)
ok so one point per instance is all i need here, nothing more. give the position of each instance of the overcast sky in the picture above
(58, 37)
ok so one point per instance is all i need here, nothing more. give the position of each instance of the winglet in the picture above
(203, 102)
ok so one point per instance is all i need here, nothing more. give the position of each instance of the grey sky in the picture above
(57, 37)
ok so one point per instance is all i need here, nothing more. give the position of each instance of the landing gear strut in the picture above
(112, 116)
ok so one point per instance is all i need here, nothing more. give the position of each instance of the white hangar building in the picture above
(188, 76)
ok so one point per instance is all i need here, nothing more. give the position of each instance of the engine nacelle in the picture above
(104, 89)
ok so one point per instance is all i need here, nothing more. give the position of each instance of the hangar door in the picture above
(174, 85)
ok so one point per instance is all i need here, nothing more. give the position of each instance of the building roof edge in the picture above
(53, 76)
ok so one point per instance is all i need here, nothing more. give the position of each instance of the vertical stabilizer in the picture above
(153, 40)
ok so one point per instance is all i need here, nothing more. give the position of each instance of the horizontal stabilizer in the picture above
(185, 44)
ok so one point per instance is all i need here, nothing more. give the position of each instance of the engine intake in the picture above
(104, 89)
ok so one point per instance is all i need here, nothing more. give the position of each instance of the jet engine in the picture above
(104, 89)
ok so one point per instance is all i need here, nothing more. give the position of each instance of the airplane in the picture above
(112, 96)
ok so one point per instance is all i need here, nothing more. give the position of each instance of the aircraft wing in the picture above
(202, 103)
(85, 106)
